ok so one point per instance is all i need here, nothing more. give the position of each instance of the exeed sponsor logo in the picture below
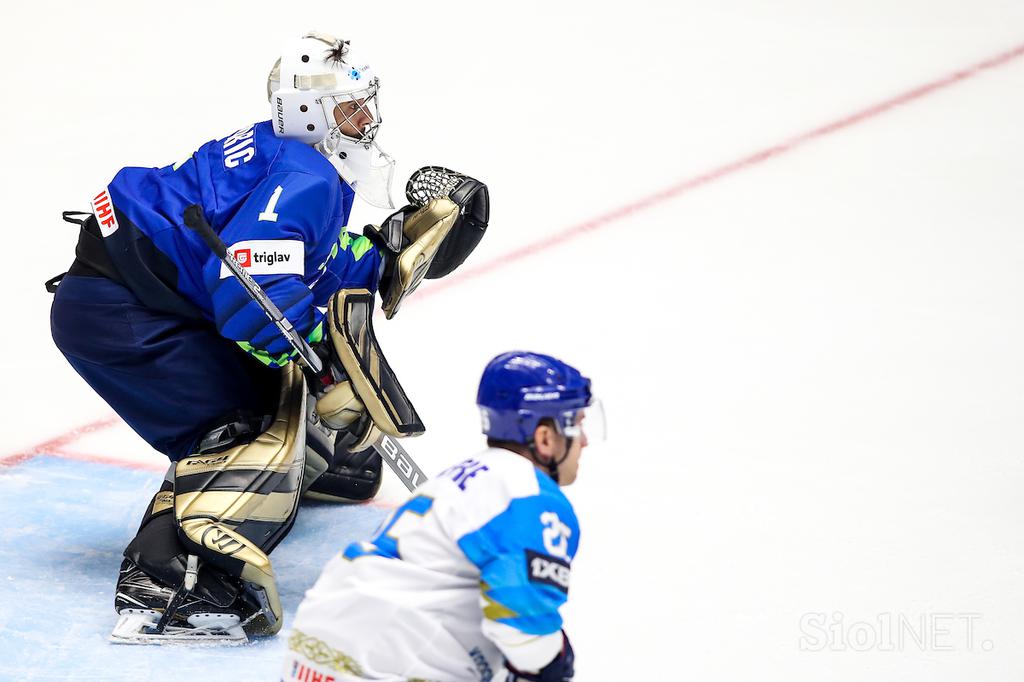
(543, 568)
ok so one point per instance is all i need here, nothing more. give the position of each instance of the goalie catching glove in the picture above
(446, 218)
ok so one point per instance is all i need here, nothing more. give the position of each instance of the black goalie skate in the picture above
(153, 613)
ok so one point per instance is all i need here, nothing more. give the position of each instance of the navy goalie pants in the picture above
(171, 379)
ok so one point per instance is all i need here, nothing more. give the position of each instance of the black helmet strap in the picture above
(553, 464)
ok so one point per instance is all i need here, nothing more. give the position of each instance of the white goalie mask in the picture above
(320, 96)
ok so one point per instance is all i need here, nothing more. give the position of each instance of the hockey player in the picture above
(163, 332)
(467, 576)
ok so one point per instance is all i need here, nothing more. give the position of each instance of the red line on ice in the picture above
(157, 466)
(673, 191)
(53, 445)
(552, 239)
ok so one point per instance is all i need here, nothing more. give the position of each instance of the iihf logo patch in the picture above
(103, 209)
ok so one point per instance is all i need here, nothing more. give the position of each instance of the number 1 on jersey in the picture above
(268, 215)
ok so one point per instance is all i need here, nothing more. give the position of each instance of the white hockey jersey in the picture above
(472, 567)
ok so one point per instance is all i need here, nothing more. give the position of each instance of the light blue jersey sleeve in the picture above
(524, 555)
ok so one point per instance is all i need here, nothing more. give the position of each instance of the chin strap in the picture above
(551, 466)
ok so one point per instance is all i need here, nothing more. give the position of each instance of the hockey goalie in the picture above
(157, 325)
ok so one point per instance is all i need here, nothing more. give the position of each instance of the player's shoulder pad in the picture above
(498, 488)
(525, 555)
(294, 156)
(471, 492)
(295, 200)
(296, 207)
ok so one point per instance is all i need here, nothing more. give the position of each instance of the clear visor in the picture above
(590, 421)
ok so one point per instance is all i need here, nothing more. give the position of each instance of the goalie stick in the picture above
(390, 450)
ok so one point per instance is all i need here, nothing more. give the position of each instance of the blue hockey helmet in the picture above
(518, 389)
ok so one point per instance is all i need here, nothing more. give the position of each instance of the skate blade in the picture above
(131, 629)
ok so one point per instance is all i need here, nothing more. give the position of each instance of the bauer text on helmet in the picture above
(538, 404)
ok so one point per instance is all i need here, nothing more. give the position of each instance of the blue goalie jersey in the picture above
(280, 207)
(473, 568)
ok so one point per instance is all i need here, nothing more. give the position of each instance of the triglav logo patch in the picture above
(268, 257)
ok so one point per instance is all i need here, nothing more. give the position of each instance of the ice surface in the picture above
(811, 365)
(65, 526)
